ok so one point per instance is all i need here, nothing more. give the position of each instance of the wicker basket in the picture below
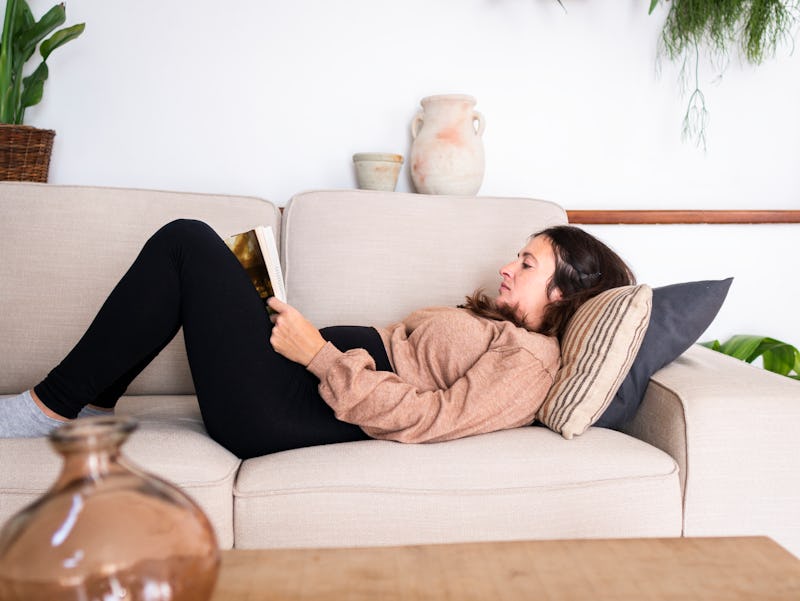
(25, 152)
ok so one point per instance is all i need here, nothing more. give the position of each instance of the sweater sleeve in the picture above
(502, 390)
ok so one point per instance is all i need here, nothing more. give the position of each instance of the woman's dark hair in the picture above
(585, 267)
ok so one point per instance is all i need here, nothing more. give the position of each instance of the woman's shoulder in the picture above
(463, 320)
(508, 335)
(546, 348)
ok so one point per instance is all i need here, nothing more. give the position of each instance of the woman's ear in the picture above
(555, 294)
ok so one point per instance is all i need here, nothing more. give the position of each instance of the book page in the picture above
(269, 250)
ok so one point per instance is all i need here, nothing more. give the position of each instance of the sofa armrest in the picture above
(733, 430)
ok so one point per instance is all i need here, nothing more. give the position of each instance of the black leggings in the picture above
(253, 400)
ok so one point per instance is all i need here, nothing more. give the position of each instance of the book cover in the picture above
(258, 254)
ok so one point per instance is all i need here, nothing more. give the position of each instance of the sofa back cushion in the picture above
(63, 249)
(355, 257)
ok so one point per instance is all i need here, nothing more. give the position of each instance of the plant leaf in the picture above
(33, 86)
(653, 4)
(779, 357)
(30, 37)
(742, 346)
(24, 16)
(61, 37)
(25, 20)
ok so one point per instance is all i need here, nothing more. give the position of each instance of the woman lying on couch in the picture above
(270, 384)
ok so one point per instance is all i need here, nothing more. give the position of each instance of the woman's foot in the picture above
(24, 416)
(94, 411)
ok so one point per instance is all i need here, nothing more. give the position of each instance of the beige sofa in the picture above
(713, 450)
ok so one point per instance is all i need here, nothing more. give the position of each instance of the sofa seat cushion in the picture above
(170, 442)
(527, 483)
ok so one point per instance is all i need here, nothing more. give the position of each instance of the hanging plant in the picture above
(752, 28)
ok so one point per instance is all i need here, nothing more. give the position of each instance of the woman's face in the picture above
(525, 280)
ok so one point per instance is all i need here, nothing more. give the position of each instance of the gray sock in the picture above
(88, 411)
(20, 417)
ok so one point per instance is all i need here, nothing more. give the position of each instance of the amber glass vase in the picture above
(106, 530)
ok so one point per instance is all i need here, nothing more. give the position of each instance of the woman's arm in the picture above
(502, 390)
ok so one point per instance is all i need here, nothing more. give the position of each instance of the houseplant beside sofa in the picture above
(710, 451)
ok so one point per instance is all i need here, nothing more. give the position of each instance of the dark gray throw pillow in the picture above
(681, 313)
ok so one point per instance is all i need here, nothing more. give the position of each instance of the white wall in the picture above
(269, 98)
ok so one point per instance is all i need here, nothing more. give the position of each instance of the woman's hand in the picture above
(293, 336)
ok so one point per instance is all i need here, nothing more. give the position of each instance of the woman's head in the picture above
(584, 268)
(527, 285)
(557, 271)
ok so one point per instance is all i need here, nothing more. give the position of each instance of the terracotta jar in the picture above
(106, 530)
(447, 151)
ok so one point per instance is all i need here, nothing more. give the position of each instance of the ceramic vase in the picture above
(377, 170)
(447, 149)
(107, 530)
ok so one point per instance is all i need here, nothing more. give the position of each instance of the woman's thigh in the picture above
(253, 400)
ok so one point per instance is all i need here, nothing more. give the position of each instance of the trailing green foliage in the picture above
(21, 36)
(755, 27)
(776, 356)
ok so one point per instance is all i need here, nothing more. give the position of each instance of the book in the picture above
(258, 254)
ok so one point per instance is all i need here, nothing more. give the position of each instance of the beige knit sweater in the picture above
(456, 374)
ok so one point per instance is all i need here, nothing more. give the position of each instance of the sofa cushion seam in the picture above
(461, 492)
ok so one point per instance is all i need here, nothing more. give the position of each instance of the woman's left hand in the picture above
(293, 336)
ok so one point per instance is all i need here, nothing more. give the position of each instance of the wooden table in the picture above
(722, 569)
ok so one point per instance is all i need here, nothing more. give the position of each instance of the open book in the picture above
(258, 254)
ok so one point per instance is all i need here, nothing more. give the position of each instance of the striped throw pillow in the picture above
(597, 351)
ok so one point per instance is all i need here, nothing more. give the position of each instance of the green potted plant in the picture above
(25, 151)
(776, 356)
(754, 28)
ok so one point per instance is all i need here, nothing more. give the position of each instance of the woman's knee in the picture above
(182, 233)
(185, 228)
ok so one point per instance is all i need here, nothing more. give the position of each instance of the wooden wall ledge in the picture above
(624, 217)
(666, 217)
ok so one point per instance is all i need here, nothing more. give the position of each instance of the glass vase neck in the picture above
(90, 446)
